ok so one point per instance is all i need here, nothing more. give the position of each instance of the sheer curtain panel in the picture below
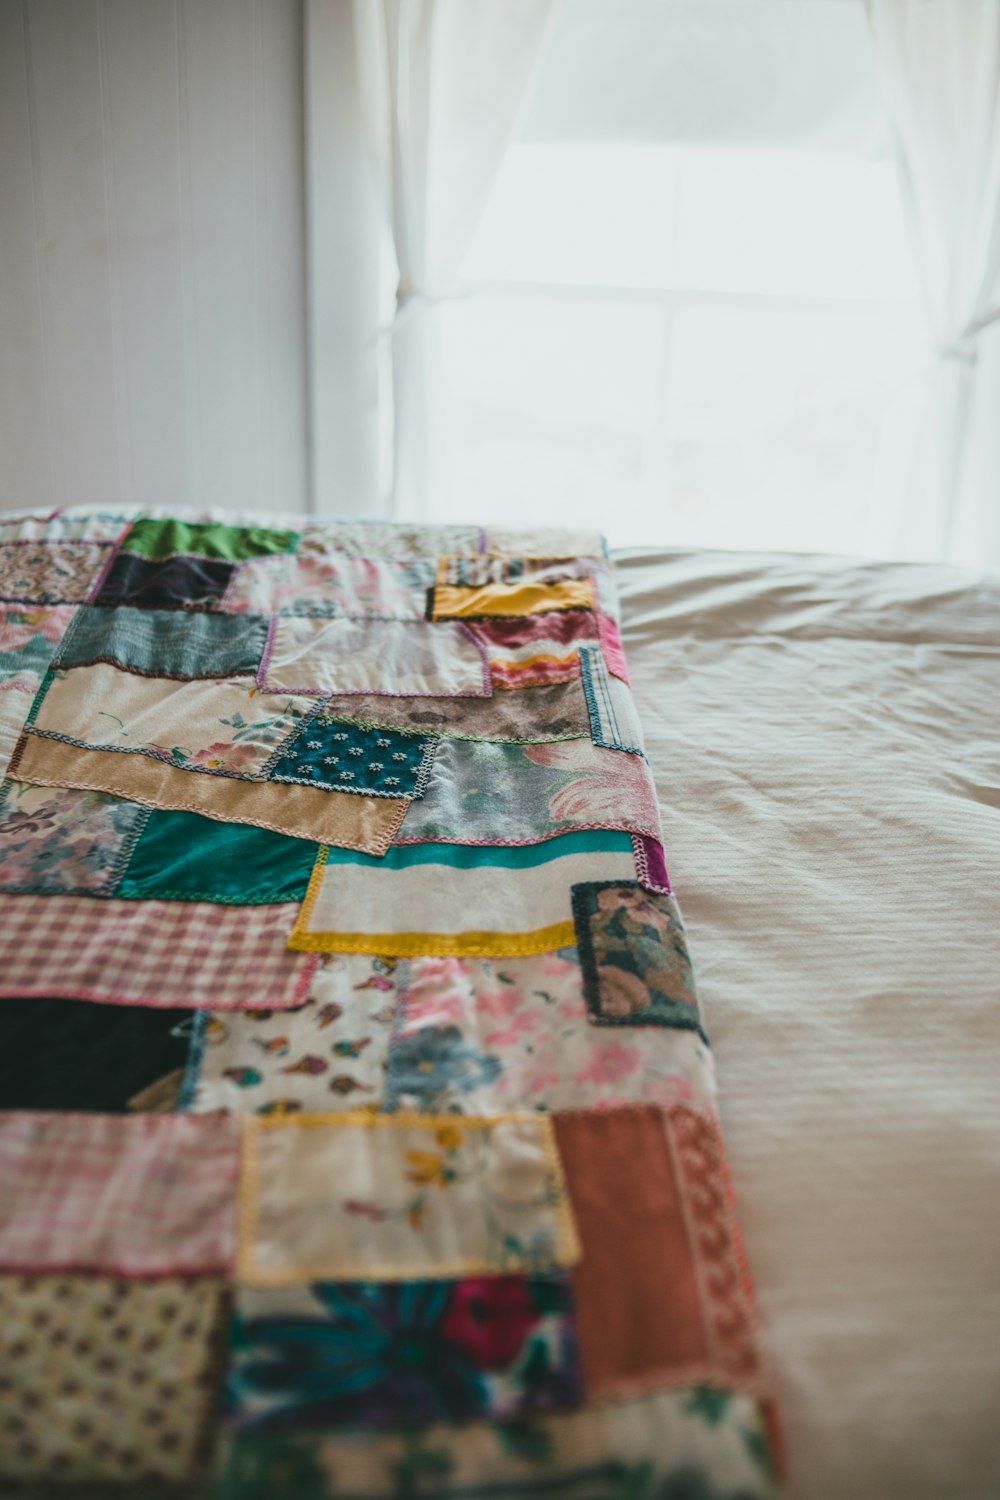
(443, 82)
(939, 62)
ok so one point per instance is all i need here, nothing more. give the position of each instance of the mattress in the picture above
(825, 735)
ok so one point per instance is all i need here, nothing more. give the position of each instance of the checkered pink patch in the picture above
(162, 953)
(142, 1195)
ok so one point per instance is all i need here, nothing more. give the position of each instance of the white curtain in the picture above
(939, 62)
(443, 82)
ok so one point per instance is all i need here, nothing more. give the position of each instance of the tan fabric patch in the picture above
(302, 812)
(105, 1381)
(227, 725)
(531, 715)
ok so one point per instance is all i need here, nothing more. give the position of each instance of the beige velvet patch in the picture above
(302, 812)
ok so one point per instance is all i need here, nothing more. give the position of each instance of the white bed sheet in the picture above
(825, 736)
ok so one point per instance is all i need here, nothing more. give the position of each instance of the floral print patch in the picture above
(50, 572)
(347, 757)
(481, 1036)
(364, 1196)
(327, 1054)
(225, 726)
(56, 839)
(636, 967)
(368, 1354)
(316, 581)
(29, 637)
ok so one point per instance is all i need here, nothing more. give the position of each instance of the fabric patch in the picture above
(64, 526)
(614, 722)
(361, 1197)
(697, 1443)
(165, 643)
(159, 953)
(50, 572)
(662, 1292)
(477, 572)
(28, 641)
(174, 583)
(611, 646)
(319, 582)
(476, 1036)
(140, 1195)
(365, 1354)
(542, 541)
(328, 1054)
(556, 711)
(108, 1385)
(181, 856)
(351, 758)
(301, 812)
(453, 898)
(559, 786)
(399, 657)
(636, 967)
(160, 539)
(229, 728)
(651, 864)
(63, 840)
(388, 539)
(74, 1055)
(512, 599)
(537, 649)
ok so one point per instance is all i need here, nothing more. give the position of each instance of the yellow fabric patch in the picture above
(365, 1196)
(512, 599)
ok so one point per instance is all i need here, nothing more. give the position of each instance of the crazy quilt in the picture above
(358, 1125)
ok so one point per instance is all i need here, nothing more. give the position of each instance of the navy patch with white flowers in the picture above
(341, 757)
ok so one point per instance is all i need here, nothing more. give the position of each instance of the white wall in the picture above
(153, 265)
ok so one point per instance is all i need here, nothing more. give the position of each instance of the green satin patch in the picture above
(236, 543)
(181, 856)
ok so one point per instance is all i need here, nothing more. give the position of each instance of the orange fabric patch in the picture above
(662, 1294)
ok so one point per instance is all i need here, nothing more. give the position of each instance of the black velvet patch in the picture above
(75, 1054)
(181, 582)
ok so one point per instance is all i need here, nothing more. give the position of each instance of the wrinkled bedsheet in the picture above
(826, 741)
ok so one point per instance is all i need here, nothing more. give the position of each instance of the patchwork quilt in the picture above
(358, 1134)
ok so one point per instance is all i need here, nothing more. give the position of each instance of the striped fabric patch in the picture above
(455, 898)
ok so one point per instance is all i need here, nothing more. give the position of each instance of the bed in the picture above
(825, 735)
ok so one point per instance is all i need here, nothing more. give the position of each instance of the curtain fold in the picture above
(443, 83)
(939, 62)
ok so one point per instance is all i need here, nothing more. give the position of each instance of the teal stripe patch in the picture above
(501, 856)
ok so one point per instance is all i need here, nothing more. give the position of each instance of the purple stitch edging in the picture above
(265, 660)
(484, 658)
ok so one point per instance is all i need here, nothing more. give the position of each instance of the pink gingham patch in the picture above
(160, 953)
(142, 1195)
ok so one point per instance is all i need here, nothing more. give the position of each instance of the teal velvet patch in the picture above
(165, 642)
(182, 856)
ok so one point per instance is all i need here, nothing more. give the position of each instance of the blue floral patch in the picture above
(342, 757)
(425, 1067)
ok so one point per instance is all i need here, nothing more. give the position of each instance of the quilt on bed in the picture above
(357, 1120)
